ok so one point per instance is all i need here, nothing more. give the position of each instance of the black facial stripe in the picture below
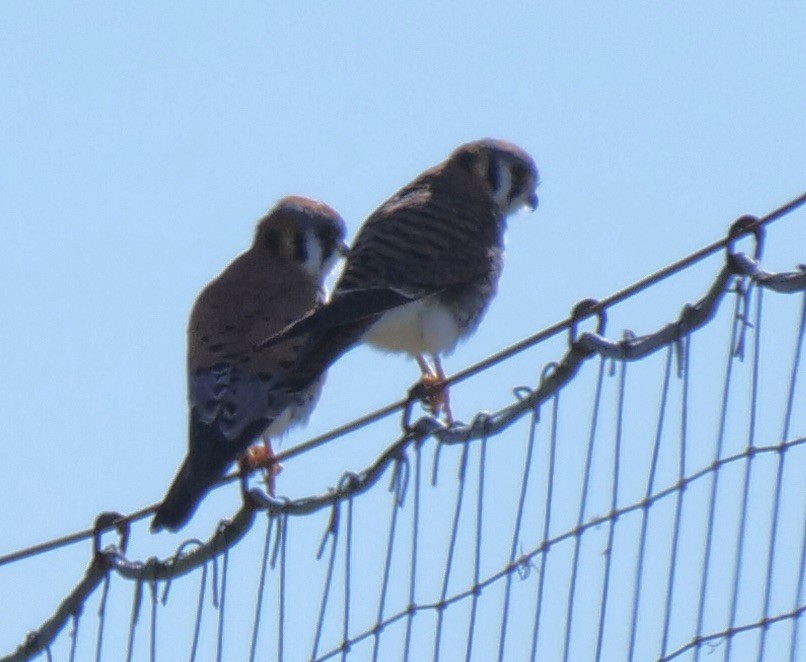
(328, 240)
(300, 247)
(517, 186)
(518, 172)
(519, 175)
(325, 237)
(493, 175)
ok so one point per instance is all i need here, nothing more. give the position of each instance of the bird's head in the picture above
(507, 171)
(304, 231)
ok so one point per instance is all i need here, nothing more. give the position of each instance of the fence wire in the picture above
(612, 511)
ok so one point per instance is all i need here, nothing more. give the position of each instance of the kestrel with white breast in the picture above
(424, 265)
(231, 391)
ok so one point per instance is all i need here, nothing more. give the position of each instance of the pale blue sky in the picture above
(140, 143)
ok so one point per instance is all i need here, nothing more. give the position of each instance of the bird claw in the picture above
(437, 398)
(262, 456)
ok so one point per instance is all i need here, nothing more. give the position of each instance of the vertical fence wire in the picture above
(469, 513)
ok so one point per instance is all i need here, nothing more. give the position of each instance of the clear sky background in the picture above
(140, 142)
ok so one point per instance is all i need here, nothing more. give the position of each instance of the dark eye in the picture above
(465, 159)
(327, 241)
(324, 236)
(518, 171)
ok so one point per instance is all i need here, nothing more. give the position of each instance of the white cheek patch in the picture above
(316, 264)
(313, 261)
(327, 266)
(501, 194)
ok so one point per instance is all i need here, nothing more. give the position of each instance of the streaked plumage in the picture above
(425, 265)
(231, 382)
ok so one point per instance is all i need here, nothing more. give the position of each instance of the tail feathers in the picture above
(317, 355)
(207, 460)
(184, 495)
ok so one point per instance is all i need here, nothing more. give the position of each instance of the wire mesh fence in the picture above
(643, 499)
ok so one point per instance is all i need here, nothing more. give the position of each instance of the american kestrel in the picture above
(230, 380)
(424, 265)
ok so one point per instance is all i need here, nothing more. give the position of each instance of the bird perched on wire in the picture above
(230, 381)
(424, 266)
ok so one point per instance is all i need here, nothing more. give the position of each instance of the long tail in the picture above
(185, 494)
(206, 463)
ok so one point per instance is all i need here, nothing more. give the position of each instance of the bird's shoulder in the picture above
(438, 231)
(245, 304)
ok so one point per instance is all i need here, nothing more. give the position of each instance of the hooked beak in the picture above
(532, 201)
(343, 249)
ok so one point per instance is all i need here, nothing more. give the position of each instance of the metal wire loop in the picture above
(192, 542)
(105, 521)
(581, 311)
(746, 224)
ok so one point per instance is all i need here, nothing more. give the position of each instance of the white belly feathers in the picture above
(422, 327)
